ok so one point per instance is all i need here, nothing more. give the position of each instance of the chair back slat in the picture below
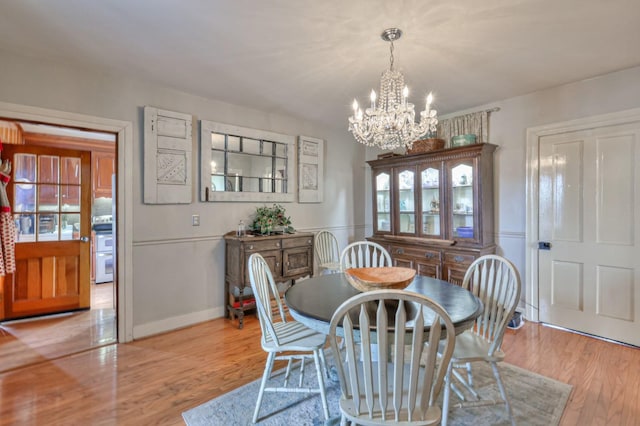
(350, 347)
(264, 291)
(496, 282)
(416, 353)
(365, 347)
(382, 322)
(398, 359)
(409, 382)
(364, 254)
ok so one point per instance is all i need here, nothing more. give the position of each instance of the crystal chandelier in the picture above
(390, 123)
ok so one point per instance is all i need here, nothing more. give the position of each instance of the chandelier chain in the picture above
(391, 56)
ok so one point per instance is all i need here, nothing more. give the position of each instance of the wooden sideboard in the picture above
(289, 256)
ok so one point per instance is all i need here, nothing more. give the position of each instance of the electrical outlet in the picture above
(195, 220)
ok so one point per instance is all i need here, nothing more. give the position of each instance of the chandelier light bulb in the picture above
(390, 123)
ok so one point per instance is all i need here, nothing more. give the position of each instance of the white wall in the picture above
(178, 269)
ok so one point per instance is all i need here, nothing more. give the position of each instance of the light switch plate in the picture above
(195, 220)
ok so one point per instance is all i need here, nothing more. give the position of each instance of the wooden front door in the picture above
(50, 196)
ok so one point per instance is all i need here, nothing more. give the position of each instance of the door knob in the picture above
(84, 239)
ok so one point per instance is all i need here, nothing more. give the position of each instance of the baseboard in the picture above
(174, 323)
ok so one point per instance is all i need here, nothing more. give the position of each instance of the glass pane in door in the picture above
(406, 195)
(462, 201)
(24, 177)
(48, 171)
(383, 202)
(430, 179)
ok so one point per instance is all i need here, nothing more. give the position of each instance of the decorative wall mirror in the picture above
(243, 164)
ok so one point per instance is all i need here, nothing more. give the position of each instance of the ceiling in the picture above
(309, 59)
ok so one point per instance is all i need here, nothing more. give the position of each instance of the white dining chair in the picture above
(327, 252)
(283, 339)
(496, 282)
(404, 390)
(364, 254)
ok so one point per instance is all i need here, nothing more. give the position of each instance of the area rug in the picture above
(535, 399)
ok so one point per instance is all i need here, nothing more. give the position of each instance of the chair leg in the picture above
(323, 396)
(267, 373)
(323, 359)
(469, 375)
(496, 374)
(287, 372)
(447, 395)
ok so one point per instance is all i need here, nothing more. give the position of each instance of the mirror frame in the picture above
(209, 127)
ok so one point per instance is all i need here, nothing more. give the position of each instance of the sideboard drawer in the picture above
(297, 242)
(251, 246)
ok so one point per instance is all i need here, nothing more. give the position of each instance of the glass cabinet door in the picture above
(430, 199)
(462, 201)
(383, 202)
(406, 201)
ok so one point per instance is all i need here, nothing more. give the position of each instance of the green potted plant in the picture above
(268, 220)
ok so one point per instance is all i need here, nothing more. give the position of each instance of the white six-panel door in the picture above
(589, 200)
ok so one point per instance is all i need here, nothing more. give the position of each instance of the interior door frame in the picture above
(534, 134)
(124, 218)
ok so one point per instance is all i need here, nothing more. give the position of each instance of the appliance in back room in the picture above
(103, 219)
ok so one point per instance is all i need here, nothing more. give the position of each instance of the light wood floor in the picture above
(30, 341)
(152, 381)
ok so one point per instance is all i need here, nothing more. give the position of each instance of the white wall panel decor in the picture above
(310, 169)
(167, 157)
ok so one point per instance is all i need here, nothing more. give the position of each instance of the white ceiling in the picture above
(311, 58)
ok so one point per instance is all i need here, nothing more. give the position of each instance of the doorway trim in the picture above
(124, 219)
(532, 191)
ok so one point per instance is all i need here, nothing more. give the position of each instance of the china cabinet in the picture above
(289, 256)
(434, 211)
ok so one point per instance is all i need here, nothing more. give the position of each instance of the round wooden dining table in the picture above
(313, 301)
